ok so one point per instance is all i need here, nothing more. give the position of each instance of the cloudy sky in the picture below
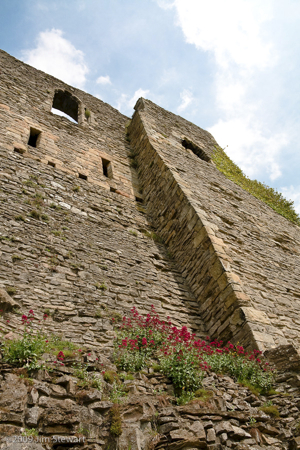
(232, 67)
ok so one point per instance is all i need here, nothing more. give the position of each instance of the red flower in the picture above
(60, 356)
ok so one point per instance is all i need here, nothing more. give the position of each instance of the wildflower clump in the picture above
(146, 340)
(27, 350)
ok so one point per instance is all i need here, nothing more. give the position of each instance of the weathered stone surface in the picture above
(76, 244)
(32, 416)
(6, 302)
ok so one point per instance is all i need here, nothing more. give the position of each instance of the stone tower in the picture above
(107, 213)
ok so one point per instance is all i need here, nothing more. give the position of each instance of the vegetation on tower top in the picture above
(268, 195)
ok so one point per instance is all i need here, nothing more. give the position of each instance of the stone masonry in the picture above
(104, 213)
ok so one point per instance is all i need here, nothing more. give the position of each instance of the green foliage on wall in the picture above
(268, 195)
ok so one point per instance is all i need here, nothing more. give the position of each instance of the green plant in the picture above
(82, 431)
(57, 233)
(271, 410)
(182, 357)
(101, 286)
(26, 350)
(87, 379)
(35, 214)
(87, 113)
(117, 392)
(268, 195)
(182, 368)
(115, 316)
(126, 376)
(133, 232)
(203, 395)
(20, 218)
(156, 367)
(76, 188)
(11, 290)
(45, 217)
(98, 313)
(252, 421)
(30, 432)
(30, 183)
(154, 236)
(110, 376)
(185, 397)
(116, 422)
(16, 258)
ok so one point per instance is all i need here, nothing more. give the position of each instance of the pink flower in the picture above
(24, 318)
(31, 312)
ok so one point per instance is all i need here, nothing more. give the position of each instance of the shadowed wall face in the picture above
(240, 258)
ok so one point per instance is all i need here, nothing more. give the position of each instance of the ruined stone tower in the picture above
(108, 213)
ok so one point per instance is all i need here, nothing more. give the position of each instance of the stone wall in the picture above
(26, 98)
(75, 233)
(240, 258)
(80, 250)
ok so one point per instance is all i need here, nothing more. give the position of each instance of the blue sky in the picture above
(232, 67)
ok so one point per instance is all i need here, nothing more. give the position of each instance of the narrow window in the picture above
(65, 104)
(50, 163)
(107, 168)
(33, 137)
(195, 149)
(83, 177)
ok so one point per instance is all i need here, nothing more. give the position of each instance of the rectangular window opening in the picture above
(186, 143)
(107, 168)
(50, 163)
(83, 177)
(33, 137)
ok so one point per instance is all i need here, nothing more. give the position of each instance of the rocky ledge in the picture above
(57, 408)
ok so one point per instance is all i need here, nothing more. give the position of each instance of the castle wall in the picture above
(26, 98)
(240, 258)
(79, 250)
(75, 237)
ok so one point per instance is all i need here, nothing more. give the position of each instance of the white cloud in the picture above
(186, 99)
(231, 29)
(126, 104)
(103, 80)
(292, 193)
(250, 148)
(57, 56)
(235, 33)
(165, 4)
